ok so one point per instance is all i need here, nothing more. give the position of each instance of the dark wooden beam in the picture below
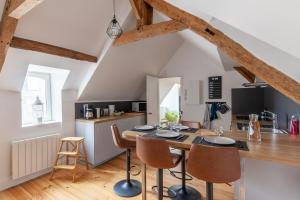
(246, 74)
(25, 44)
(274, 77)
(13, 10)
(146, 11)
(149, 31)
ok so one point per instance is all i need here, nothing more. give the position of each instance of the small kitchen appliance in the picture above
(139, 106)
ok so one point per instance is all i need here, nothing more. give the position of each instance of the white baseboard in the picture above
(11, 183)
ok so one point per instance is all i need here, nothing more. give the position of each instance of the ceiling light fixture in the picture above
(114, 29)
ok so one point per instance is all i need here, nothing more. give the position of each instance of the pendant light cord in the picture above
(114, 8)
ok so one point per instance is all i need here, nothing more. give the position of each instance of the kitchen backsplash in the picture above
(281, 105)
(120, 106)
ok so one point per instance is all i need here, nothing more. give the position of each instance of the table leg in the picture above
(184, 192)
(144, 182)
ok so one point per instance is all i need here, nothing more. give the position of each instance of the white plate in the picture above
(144, 127)
(219, 140)
(167, 134)
(181, 127)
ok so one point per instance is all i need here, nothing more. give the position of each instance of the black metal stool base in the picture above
(128, 189)
(188, 194)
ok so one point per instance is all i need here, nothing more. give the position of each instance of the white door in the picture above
(152, 100)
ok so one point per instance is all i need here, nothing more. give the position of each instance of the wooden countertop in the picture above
(109, 118)
(277, 148)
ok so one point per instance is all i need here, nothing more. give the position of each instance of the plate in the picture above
(219, 140)
(167, 134)
(144, 127)
(181, 127)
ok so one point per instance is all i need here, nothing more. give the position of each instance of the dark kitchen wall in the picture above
(284, 107)
(120, 106)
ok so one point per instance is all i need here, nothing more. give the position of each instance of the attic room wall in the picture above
(11, 81)
(192, 63)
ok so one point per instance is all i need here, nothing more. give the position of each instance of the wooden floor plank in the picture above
(97, 184)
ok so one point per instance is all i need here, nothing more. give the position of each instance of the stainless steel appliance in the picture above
(139, 106)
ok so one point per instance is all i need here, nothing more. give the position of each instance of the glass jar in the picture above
(254, 134)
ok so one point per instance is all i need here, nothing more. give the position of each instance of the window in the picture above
(36, 85)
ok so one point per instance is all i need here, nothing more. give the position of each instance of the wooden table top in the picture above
(110, 118)
(279, 148)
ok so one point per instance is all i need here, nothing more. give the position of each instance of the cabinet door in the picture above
(129, 123)
(87, 131)
(105, 148)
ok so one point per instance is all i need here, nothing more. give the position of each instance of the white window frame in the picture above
(47, 78)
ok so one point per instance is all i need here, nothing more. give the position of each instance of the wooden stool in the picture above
(75, 153)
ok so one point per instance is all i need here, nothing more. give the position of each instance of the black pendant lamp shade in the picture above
(114, 29)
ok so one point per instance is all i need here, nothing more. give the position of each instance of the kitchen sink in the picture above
(264, 128)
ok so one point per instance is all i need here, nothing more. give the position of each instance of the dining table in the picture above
(277, 148)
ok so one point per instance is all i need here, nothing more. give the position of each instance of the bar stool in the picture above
(127, 187)
(183, 191)
(156, 153)
(214, 165)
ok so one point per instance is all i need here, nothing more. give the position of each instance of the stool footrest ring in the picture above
(171, 193)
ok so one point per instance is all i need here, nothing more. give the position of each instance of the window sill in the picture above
(42, 124)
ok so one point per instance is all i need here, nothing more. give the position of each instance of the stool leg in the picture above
(85, 156)
(128, 162)
(160, 184)
(209, 191)
(128, 187)
(75, 161)
(56, 160)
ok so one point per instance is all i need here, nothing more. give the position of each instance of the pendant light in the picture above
(114, 29)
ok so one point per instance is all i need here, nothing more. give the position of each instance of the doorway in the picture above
(169, 98)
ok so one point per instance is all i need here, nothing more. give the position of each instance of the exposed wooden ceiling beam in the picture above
(8, 24)
(246, 74)
(238, 53)
(135, 9)
(21, 7)
(146, 11)
(25, 44)
(149, 31)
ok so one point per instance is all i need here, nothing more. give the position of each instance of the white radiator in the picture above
(33, 154)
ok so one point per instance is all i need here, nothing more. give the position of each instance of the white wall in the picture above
(192, 63)
(11, 127)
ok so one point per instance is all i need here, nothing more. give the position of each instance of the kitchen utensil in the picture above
(98, 112)
(105, 112)
(89, 113)
(219, 140)
(111, 109)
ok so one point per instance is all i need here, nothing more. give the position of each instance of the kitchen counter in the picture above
(279, 148)
(269, 170)
(110, 118)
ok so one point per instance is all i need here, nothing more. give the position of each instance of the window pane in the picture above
(35, 85)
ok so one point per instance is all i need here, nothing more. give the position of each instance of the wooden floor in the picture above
(97, 184)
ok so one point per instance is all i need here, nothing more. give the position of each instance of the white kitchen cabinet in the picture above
(98, 137)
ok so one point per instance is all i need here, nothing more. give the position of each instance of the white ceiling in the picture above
(74, 24)
(272, 21)
(122, 73)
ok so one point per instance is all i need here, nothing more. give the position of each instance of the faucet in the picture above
(272, 116)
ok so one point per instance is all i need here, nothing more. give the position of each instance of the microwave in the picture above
(139, 106)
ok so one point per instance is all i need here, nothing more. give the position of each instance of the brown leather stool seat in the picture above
(128, 187)
(214, 165)
(156, 153)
